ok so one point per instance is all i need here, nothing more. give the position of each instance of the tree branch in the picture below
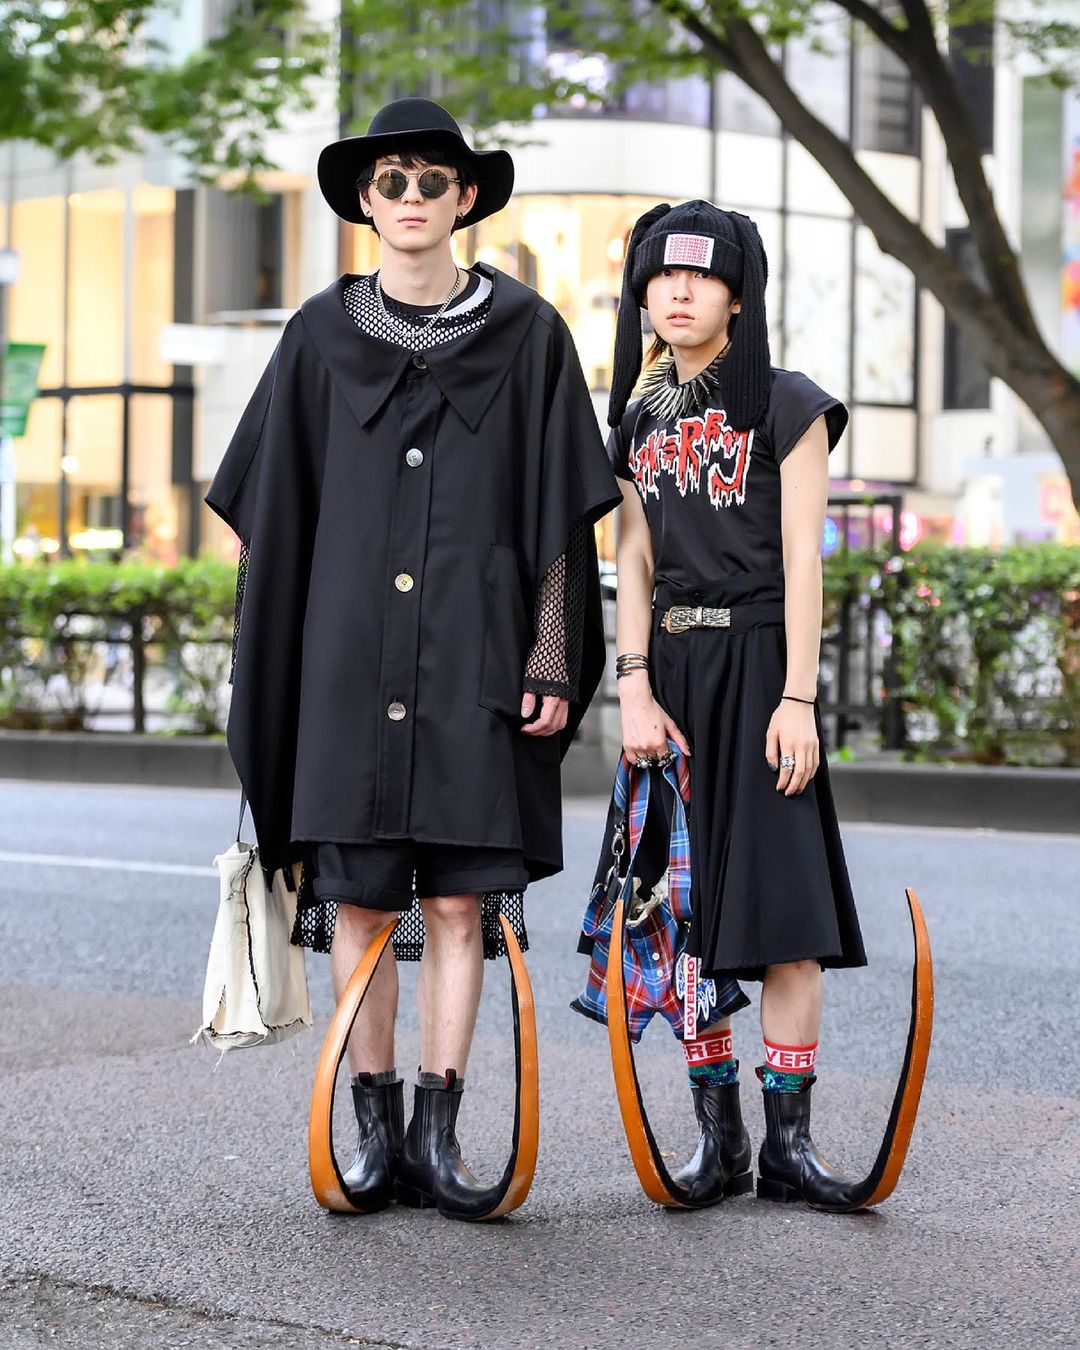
(981, 316)
(918, 48)
(896, 39)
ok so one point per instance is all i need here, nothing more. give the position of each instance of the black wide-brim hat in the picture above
(405, 124)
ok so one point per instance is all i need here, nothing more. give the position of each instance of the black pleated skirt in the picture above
(769, 879)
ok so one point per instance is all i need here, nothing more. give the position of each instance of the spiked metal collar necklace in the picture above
(666, 398)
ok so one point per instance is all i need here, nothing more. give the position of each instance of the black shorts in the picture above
(387, 876)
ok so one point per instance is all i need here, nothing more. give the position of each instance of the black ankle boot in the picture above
(789, 1165)
(721, 1166)
(431, 1171)
(380, 1113)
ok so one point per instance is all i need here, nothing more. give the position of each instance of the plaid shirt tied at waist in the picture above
(658, 974)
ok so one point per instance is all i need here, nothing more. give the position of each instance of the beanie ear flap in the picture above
(745, 371)
(626, 362)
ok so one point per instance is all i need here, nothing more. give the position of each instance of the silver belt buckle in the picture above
(678, 619)
(681, 618)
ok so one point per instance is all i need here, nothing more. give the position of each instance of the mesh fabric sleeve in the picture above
(554, 664)
(241, 581)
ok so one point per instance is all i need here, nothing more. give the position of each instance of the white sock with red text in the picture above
(787, 1068)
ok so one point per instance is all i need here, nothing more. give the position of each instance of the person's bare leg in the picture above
(371, 1045)
(450, 980)
(791, 1003)
(448, 993)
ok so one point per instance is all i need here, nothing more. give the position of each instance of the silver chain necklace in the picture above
(666, 398)
(429, 320)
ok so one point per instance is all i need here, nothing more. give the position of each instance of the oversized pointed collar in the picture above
(468, 370)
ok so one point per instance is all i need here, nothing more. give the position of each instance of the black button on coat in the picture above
(319, 481)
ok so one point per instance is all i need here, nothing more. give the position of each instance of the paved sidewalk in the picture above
(148, 1197)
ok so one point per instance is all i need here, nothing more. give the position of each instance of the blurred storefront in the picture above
(95, 467)
(160, 302)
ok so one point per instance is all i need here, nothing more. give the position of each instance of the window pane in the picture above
(559, 51)
(152, 505)
(743, 110)
(96, 288)
(37, 298)
(971, 50)
(816, 305)
(37, 472)
(570, 248)
(685, 100)
(152, 284)
(772, 238)
(884, 325)
(95, 429)
(966, 379)
(886, 109)
(244, 252)
(820, 76)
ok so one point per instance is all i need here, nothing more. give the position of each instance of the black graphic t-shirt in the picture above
(712, 494)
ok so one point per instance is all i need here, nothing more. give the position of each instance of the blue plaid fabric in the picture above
(654, 951)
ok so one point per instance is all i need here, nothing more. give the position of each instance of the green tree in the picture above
(487, 70)
(95, 76)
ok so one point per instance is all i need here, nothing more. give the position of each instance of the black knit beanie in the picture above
(725, 244)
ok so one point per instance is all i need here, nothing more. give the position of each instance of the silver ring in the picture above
(787, 761)
(644, 762)
(665, 760)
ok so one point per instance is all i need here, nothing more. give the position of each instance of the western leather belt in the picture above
(681, 618)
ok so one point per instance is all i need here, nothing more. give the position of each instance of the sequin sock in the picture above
(787, 1067)
(710, 1060)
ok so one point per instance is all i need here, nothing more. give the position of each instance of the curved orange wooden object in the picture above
(879, 1184)
(326, 1179)
(518, 1176)
(656, 1180)
(890, 1161)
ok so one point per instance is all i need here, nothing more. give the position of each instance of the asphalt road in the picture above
(149, 1196)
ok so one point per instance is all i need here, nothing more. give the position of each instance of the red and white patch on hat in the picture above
(688, 250)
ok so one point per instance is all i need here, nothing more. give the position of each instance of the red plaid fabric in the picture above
(655, 946)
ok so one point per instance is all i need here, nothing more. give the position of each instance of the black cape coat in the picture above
(388, 608)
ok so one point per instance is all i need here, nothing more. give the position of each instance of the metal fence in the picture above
(127, 673)
(858, 649)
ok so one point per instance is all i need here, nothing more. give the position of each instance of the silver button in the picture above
(414, 458)
(396, 712)
(403, 581)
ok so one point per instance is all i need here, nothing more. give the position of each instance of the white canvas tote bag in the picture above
(256, 987)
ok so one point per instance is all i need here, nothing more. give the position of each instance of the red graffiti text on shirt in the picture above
(697, 444)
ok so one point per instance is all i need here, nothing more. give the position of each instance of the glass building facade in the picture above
(121, 443)
(97, 468)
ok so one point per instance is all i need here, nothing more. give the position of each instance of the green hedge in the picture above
(180, 619)
(988, 651)
(987, 645)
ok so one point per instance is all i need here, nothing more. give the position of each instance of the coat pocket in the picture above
(506, 634)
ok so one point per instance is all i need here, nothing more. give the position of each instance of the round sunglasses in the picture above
(432, 183)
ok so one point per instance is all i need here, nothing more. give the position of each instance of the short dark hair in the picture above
(419, 157)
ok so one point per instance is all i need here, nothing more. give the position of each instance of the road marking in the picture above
(108, 864)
